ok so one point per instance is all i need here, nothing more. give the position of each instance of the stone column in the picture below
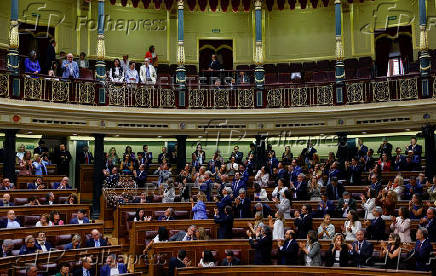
(259, 72)
(340, 69)
(424, 56)
(100, 66)
(181, 71)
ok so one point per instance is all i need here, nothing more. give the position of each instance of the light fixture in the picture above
(364, 132)
(407, 129)
(74, 134)
(117, 135)
(29, 132)
(159, 136)
(200, 136)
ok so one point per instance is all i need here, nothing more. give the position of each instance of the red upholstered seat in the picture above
(30, 220)
(20, 201)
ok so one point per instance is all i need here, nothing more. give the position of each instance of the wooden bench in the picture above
(51, 169)
(158, 256)
(268, 270)
(142, 232)
(60, 195)
(29, 215)
(58, 236)
(47, 179)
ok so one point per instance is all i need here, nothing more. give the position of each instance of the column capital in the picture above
(180, 4)
(337, 1)
(257, 4)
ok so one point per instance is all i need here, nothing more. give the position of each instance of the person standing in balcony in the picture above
(148, 73)
(31, 63)
(50, 56)
(132, 75)
(116, 73)
(82, 61)
(70, 68)
(152, 56)
(214, 64)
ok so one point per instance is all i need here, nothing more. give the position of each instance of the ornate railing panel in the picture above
(117, 94)
(324, 95)
(299, 96)
(4, 85)
(143, 96)
(33, 88)
(167, 98)
(196, 98)
(355, 92)
(60, 91)
(408, 89)
(85, 93)
(274, 98)
(381, 91)
(245, 98)
(221, 98)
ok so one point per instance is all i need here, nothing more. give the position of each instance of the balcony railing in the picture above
(199, 96)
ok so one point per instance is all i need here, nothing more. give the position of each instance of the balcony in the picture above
(199, 96)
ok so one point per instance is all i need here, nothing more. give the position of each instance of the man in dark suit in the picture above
(303, 221)
(237, 154)
(41, 242)
(85, 157)
(307, 153)
(242, 205)
(422, 250)
(207, 185)
(409, 164)
(385, 147)
(334, 189)
(163, 155)
(80, 218)
(262, 244)
(189, 235)
(225, 201)
(6, 248)
(293, 171)
(177, 262)
(242, 78)
(50, 56)
(345, 204)
(325, 207)
(354, 171)
(429, 223)
(415, 148)
(368, 161)
(288, 250)
(225, 223)
(214, 64)
(237, 183)
(6, 201)
(412, 188)
(96, 240)
(140, 175)
(63, 158)
(167, 215)
(398, 160)
(376, 229)
(86, 269)
(272, 163)
(147, 155)
(230, 259)
(361, 250)
(41, 149)
(376, 184)
(300, 187)
(361, 149)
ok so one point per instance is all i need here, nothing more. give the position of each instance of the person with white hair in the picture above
(148, 73)
(70, 68)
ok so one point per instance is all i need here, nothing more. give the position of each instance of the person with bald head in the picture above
(11, 221)
(360, 250)
(87, 269)
(70, 68)
(96, 240)
(6, 200)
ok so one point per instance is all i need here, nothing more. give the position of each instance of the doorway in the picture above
(389, 41)
(35, 38)
(223, 49)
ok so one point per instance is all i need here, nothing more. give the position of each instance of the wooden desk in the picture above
(47, 179)
(25, 193)
(268, 270)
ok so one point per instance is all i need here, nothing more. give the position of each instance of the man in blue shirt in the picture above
(70, 68)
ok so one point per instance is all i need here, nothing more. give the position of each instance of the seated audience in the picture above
(412, 188)
(369, 203)
(55, 218)
(44, 221)
(262, 177)
(6, 248)
(177, 262)
(189, 235)
(242, 205)
(284, 206)
(278, 225)
(11, 221)
(49, 198)
(392, 249)
(401, 225)
(33, 201)
(112, 267)
(345, 204)
(29, 246)
(337, 254)
(225, 222)
(80, 218)
(140, 216)
(422, 250)
(7, 185)
(351, 226)
(207, 259)
(416, 207)
(41, 242)
(262, 244)
(96, 239)
(37, 185)
(64, 270)
(303, 221)
(167, 215)
(86, 269)
(72, 199)
(169, 193)
(162, 236)
(311, 249)
(76, 240)
(260, 194)
(6, 201)
(334, 189)
(397, 186)
(326, 206)
(361, 250)
(431, 189)
(230, 259)
(63, 185)
(326, 229)
(201, 234)
(199, 209)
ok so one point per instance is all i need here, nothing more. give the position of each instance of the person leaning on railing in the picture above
(70, 68)
(31, 64)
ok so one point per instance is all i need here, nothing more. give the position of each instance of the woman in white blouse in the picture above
(169, 194)
(262, 177)
(207, 259)
(44, 221)
(116, 73)
(351, 226)
(401, 225)
(259, 193)
(278, 191)
(278, 226)
(162, 236)
(20, 154)
(368, 203)
(284, 205)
